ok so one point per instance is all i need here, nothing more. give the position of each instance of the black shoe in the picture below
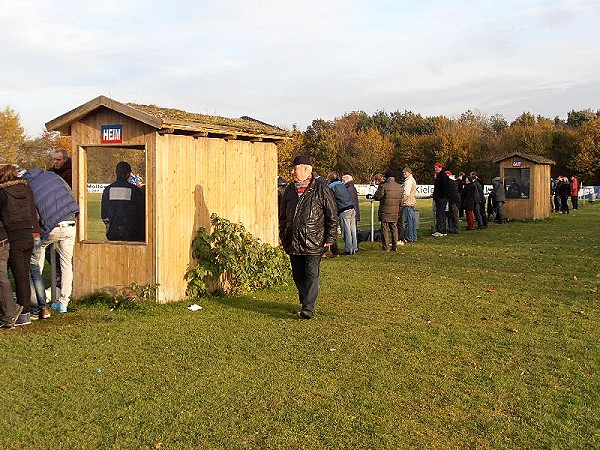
(306, 314)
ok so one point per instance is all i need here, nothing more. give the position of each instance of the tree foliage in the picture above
(12, 135)
(360, 144)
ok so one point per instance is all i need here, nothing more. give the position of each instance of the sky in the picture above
(288, 63)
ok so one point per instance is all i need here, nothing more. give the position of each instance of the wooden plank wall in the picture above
(102, 264)
(198, 177)
(537, 207)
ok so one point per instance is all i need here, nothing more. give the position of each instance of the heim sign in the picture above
(111, 134)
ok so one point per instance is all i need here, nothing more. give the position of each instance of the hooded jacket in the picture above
(17, 209)
(53, 198)
(309, 221)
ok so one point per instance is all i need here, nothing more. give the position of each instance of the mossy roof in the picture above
(172, 116)
(169, 120)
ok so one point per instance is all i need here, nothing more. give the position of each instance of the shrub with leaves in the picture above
(233, 258)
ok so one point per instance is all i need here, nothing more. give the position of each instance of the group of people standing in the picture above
(36, 210)
(561, 190)
(455, 196)
(396, 213)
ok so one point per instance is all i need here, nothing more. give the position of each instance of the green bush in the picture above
(233, 259)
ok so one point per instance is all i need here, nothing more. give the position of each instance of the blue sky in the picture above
(288, 63)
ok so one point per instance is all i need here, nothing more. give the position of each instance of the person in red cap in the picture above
(307, 228)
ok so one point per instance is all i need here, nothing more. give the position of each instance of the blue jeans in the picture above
(440, 215)
(410, 223)
(38, 290)
(305, 272)
(348, 223)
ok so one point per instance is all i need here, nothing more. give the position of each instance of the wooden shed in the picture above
(527, 185)
(192, 165)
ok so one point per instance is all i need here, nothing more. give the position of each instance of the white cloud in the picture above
(290, 62)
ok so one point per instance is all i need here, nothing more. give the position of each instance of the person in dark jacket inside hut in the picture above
(123, 209)
(307, 227)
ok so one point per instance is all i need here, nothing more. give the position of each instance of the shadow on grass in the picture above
(279, 310)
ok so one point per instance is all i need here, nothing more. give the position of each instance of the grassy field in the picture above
(488, 339)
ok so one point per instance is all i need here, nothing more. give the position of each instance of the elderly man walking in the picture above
(307, 227)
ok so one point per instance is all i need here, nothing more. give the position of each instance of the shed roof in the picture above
(535, 158)
(169, 120)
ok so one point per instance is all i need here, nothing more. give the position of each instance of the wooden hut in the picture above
(192, 165)
(527, 185)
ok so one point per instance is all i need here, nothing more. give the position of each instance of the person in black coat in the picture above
(18, 214)
(123, 208)
(563, 190)
(307, 228)
(441, 194)
(469, 194)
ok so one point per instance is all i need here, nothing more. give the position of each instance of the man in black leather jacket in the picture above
(307, 227)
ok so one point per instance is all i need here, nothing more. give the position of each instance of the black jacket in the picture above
(443, 186)
(17, 209)
(65, 172)
(123, 212)
(308, 221)
(469, 196)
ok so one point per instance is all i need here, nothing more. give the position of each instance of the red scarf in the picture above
(301, 186)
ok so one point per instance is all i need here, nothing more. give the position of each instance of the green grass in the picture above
(96, 230)
(487, 339)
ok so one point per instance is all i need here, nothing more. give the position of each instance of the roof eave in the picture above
(64, 121)
(534, 158)
(220, 131)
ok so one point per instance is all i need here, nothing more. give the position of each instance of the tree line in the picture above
(363, 145)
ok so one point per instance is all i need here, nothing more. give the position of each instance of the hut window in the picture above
(517, 183)
(123, 217)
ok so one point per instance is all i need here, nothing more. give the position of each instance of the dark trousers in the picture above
(19, 257)
(305, 272)
(453, 218)
(8, 307)
(483, 214)
(574, 201)
(440, 214)
(564, 206)
(556, 203)
(386, 228)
